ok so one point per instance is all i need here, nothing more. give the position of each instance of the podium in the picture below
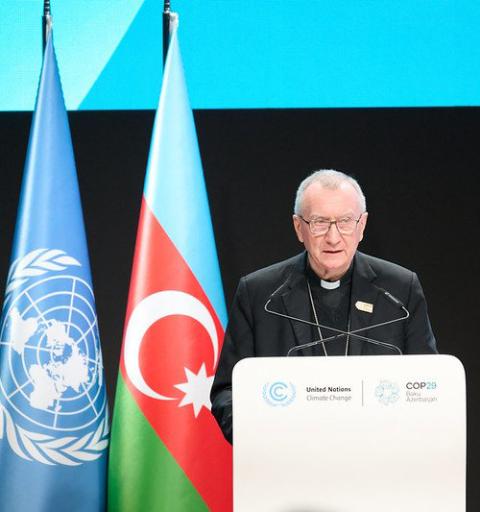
(349, 434)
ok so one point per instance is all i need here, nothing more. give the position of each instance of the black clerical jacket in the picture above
(252, 332)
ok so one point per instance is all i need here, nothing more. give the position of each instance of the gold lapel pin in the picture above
(364, 306)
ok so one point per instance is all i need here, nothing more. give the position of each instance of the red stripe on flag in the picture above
(169, 346)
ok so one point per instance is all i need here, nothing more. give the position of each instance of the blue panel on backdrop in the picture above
(251, 53)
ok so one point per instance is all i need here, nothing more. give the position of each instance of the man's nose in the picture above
(332, 235)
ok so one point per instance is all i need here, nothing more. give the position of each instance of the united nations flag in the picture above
(53, 406)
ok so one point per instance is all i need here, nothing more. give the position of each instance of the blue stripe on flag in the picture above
(174, 186)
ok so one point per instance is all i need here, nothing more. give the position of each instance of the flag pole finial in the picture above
(166, 28)
(46, 22)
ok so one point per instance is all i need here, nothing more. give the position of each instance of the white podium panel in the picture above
(349, 434)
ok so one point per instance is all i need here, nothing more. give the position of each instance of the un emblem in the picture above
(52, 398)
(279, 393)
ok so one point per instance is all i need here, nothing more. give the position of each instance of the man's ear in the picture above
(363, 224)
(297, 225)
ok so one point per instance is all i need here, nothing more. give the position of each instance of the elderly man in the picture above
(328, 290)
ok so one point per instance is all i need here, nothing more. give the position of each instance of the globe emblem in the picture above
(279, 393)
(387, 392)
(52, 367)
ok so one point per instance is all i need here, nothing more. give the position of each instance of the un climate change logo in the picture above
(279, 393)
(52, 397)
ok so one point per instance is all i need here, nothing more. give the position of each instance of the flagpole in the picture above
(46, 22)
(166, 28)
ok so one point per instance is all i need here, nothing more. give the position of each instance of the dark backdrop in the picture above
(418, 168)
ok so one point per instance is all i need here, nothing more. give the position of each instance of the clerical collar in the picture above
(330, 285)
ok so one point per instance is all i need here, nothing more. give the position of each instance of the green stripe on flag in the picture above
(142, 474)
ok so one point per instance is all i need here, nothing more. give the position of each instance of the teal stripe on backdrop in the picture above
(251, 53)
(87, 33)
(133, 74)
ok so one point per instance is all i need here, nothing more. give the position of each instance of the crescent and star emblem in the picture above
(151, 309)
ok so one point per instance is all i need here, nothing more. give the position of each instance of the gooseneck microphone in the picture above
(355, 333)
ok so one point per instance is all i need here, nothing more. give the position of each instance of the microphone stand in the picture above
(341, 333)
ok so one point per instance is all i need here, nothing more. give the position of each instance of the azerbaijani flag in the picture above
(167, 452)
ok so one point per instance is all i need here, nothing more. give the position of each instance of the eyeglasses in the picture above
(345, 225)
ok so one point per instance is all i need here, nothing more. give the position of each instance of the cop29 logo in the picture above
(279, 393)
(387, 392)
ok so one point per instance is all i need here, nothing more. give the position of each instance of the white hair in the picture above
(331, 180)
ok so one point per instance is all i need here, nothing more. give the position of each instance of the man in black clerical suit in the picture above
(330, 284)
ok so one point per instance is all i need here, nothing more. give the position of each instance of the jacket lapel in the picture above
(296, 303)
(363, 301)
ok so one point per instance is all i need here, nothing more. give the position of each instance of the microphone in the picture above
(392, 299)
(355, 333)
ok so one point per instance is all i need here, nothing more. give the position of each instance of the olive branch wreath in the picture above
(37, 263)
(69, 450)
